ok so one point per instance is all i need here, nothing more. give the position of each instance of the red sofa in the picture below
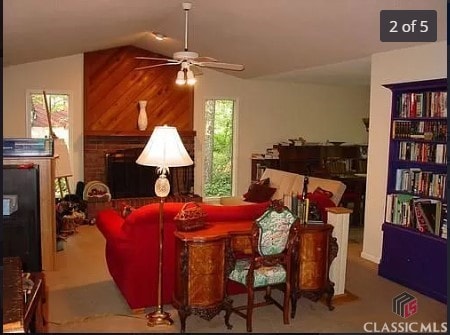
(132, 246)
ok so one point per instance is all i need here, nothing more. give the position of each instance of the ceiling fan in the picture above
(189, 60)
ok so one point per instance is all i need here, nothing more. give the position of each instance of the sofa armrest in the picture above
(110, 223)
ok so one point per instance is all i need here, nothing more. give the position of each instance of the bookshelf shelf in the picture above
(416, 205)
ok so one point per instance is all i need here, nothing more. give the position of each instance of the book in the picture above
(401, 209)
(428, 215)
(443, 230)
(389, 201)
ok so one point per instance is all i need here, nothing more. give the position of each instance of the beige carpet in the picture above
(83, 298)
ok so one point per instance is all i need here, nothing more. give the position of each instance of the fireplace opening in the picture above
(127, 179)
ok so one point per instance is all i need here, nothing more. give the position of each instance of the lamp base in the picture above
(158, 318)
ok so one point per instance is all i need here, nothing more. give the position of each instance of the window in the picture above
(58, 105)
(38, 123)
(218, 153)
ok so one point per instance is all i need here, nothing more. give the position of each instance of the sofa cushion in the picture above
(289, 183)
(234, 213)
(281, 180)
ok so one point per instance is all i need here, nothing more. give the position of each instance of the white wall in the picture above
(410, 64)
(270, 112)
(65, 74)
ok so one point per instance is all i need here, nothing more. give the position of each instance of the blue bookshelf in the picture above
(412, 254)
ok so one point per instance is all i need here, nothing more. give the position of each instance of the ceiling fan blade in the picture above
(159, 59)
(197, 72)
(155, 65)
(205, 59)
(218, 65)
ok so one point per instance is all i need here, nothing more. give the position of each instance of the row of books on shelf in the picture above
(426, 130)
(423, 183)
(423, 152)
(425, 104)
(425, 215)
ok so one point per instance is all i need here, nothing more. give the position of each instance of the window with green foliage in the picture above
(218, 152)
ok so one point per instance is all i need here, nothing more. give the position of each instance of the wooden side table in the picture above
(317, 249)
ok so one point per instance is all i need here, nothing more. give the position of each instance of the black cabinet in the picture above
(21, 230)
(323, 160)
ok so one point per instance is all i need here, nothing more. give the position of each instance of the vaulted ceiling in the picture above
(318, 41)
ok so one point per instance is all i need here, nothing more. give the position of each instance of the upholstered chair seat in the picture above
(266, 275)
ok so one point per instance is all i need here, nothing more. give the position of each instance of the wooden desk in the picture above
(203, 265)
(202, 269)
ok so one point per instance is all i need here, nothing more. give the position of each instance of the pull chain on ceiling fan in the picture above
(189, 60)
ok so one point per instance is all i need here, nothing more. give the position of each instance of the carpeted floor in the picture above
(83, 298)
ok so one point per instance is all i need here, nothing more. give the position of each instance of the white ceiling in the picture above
(317, 41)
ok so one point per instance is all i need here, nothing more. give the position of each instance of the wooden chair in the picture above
(273, 239)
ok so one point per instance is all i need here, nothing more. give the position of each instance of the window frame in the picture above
(235, 151)
(29, 92)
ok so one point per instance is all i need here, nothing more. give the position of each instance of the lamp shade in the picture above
(164, 149)
(180, 78)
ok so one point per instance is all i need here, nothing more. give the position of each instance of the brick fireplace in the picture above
(96, 149)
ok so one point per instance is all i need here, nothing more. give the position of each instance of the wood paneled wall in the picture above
(113, 88)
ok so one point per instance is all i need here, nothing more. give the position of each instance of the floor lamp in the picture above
(164, 149)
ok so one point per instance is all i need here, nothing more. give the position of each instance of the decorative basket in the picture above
(191, 217)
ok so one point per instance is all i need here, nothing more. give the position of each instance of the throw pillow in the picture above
(321, 191)
(265, 181)
(321, 201)
(259, 193)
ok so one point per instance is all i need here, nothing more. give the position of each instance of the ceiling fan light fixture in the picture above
(180, 78)
(188, 59)
(190, 77)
